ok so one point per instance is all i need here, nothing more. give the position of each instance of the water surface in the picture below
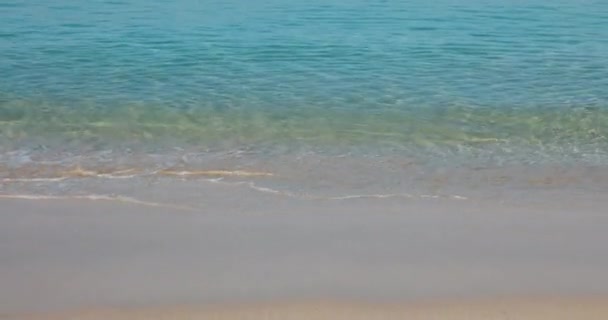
(446, 83)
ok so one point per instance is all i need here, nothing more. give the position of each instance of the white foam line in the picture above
(428, 196)
(34, 179)
(457, 197)
(255, 187)
(394, 195)
(93, 197)
(252, 185)
(222, 173)
(376, 196)
(58, 179)
(110, 176)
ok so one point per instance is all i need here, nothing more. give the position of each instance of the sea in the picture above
(316, 99)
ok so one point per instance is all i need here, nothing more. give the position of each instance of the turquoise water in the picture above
(462, 81)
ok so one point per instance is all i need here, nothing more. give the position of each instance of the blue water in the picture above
(470, 79)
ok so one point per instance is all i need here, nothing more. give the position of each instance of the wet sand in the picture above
(259, 257)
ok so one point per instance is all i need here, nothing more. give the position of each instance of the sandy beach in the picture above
(320, 159)
(266, 257)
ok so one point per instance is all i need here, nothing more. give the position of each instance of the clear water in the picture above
(463, 82)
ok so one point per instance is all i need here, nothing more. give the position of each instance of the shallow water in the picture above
(331, 91)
